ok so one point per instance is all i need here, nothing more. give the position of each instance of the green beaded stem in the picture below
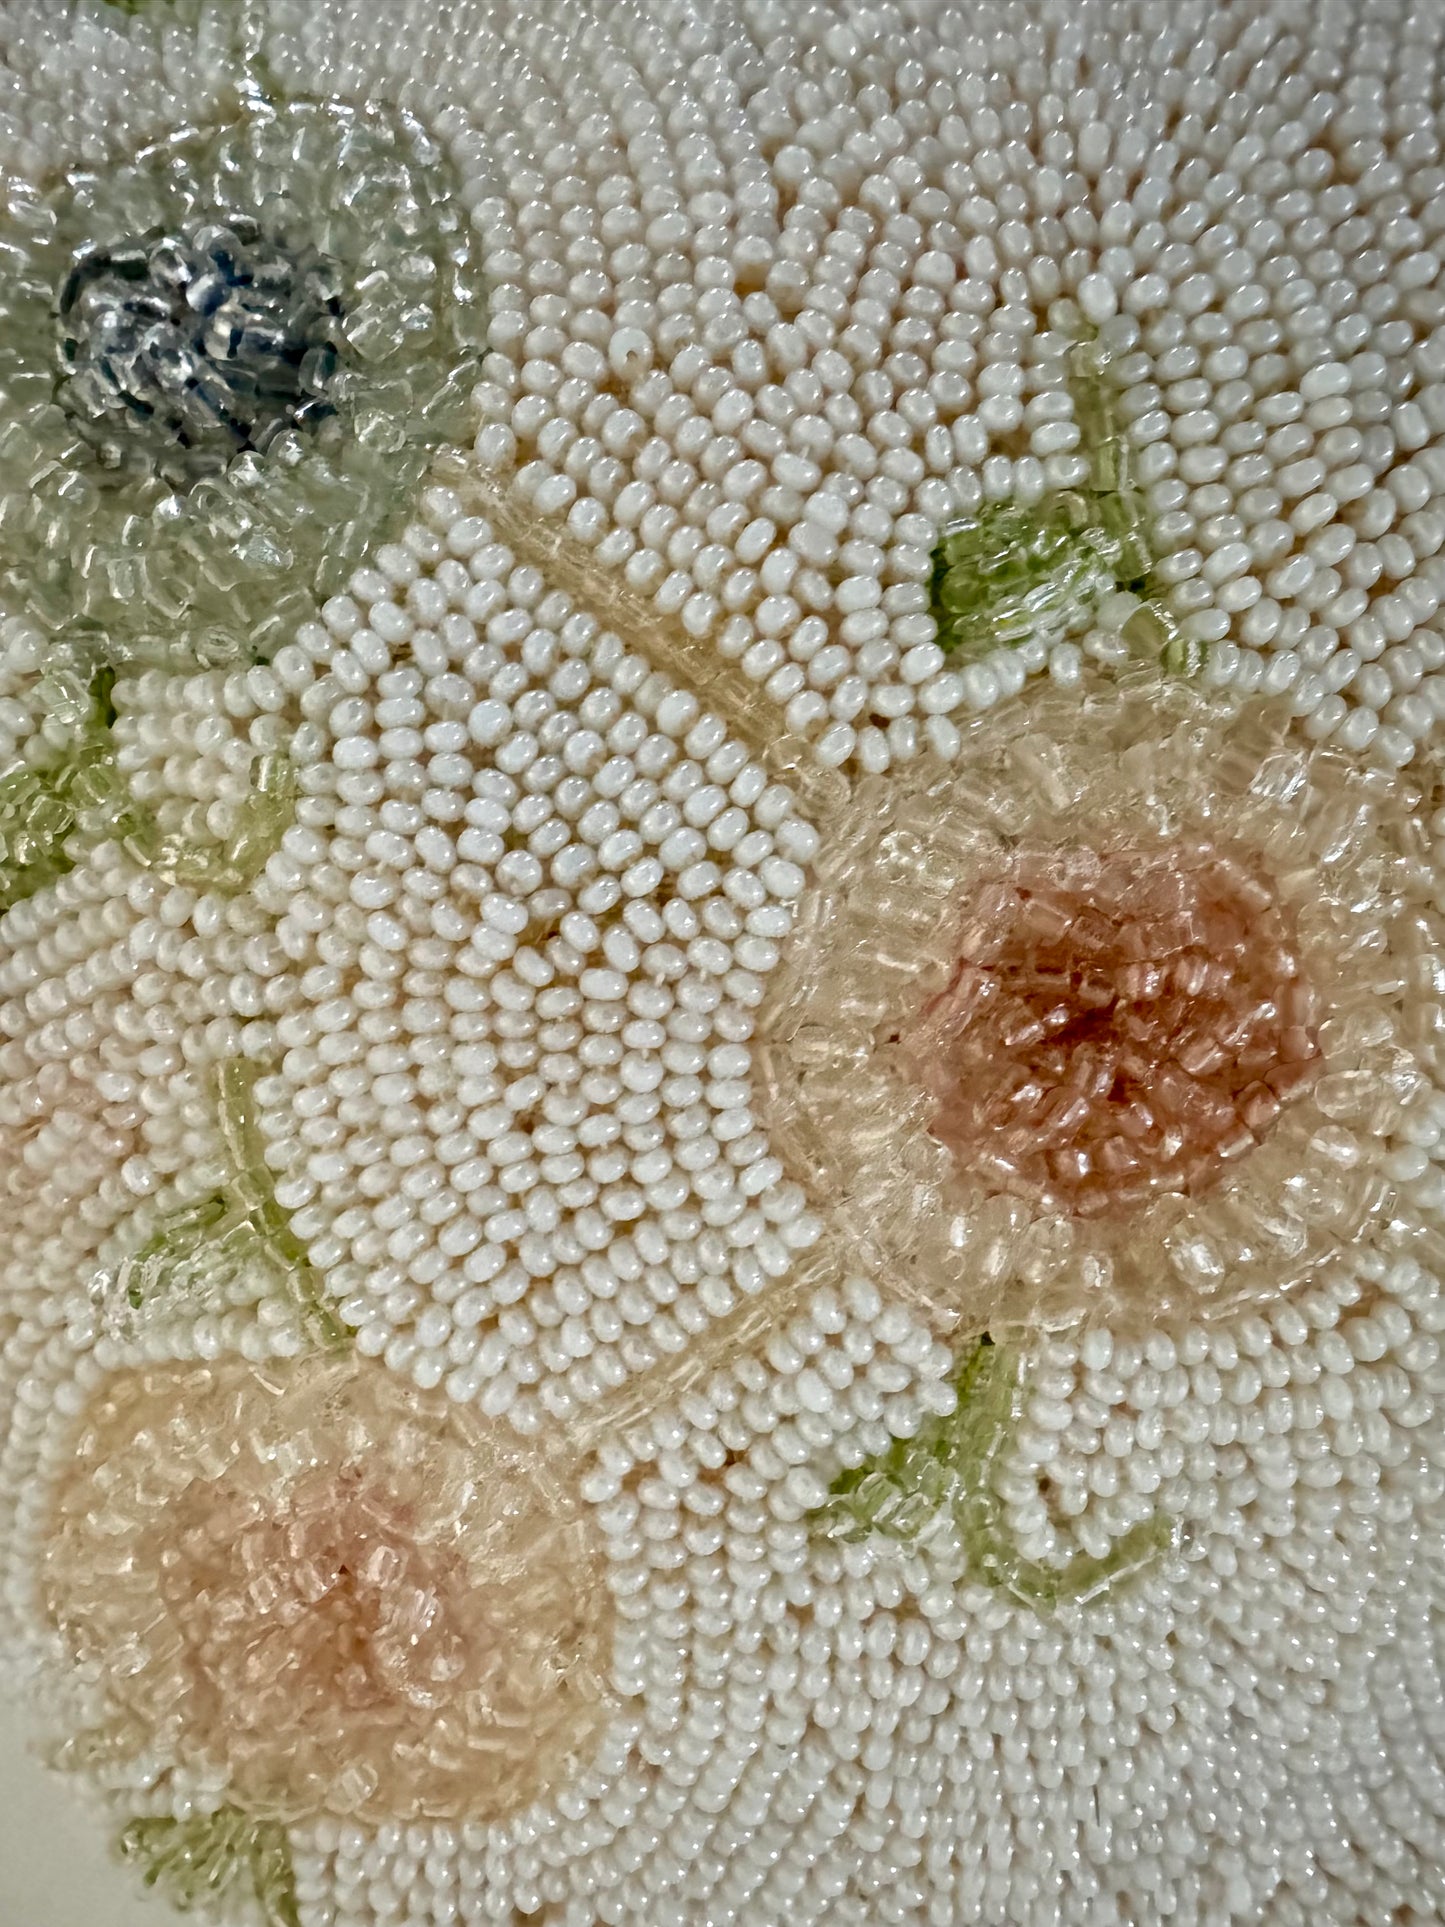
(204, 1860)
(1013, 571)
(230, 864)
(239, 1232)
(49, 811)
(949, 1464)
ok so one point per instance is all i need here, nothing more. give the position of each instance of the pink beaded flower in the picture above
(346, 1596)
(1118, 1014)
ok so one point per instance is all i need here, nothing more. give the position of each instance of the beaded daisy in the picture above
(721, 955)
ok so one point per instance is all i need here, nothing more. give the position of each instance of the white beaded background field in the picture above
(774, 292)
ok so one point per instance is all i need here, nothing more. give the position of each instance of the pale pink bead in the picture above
(1127, 1022)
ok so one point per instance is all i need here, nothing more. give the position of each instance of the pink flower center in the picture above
(347, 1605)
(1118, 1024)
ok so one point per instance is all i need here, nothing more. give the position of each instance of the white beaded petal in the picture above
(780, 292)
(525, 914)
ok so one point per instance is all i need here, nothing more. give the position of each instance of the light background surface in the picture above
(56, 1868)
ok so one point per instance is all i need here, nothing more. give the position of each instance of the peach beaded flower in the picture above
(347, 1596)
(1118, 1015)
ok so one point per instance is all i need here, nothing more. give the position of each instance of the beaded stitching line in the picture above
(692, 661)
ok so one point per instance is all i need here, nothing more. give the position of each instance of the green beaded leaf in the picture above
(1011, 572)
(207, 1859)
(948, 1465)
(1014, 570)
(902, 1489)
(205, 1250)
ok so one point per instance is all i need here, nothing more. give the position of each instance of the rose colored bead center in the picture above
(1118, 1024)
(343, 1604)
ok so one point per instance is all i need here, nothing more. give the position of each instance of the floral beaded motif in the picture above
(353, 1601)
(639, 885)
(223, 377)
(180, 352)
(1039, 1067)
(1117, 1023)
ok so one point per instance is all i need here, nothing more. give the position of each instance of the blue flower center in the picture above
(181, 351)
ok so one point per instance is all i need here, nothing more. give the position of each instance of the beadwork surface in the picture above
(722, 937)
